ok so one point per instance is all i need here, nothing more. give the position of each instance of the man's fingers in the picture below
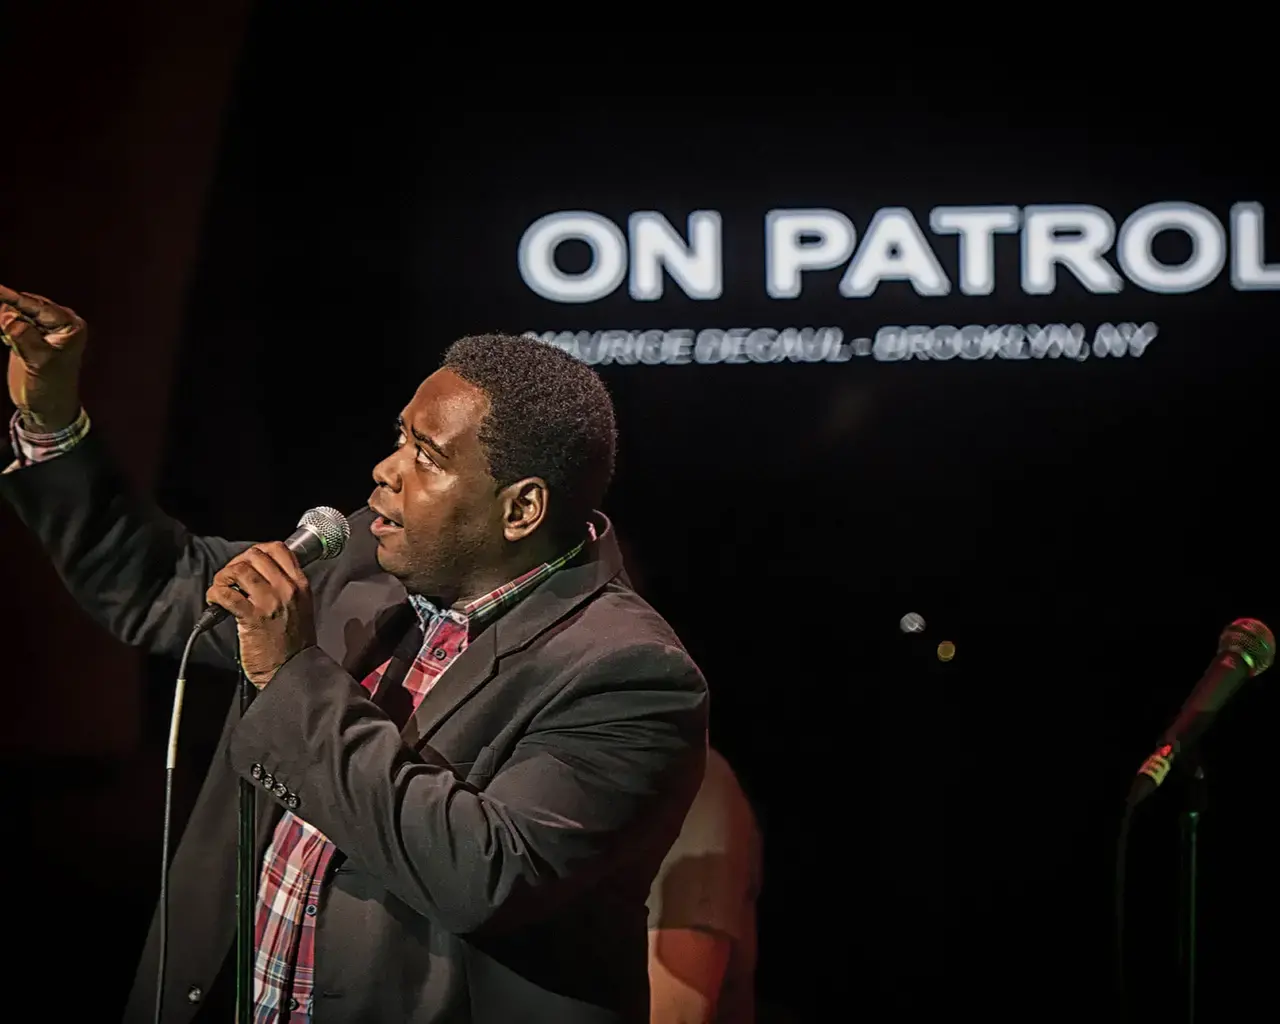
(53, 318)
(267, 577)
(233, 601)
(48, 315)
(267, 566)
(279, 553)
(11, 314)
(32, 305)
(37, 328)
(20, 335)
(244, 575)
(10, 297)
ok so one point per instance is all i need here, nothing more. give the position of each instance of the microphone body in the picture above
(1246, 648)
(322, 533)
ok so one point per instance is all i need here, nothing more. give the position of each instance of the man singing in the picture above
(473, 743)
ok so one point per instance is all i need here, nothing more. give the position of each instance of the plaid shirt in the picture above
(29, 447)
(294, 869)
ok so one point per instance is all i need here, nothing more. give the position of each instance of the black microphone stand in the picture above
(246, 879)
(1195, 799)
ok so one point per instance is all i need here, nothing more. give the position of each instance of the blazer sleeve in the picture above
(608, 767)
(137, 572)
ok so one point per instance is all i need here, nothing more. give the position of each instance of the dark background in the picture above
(937, 835)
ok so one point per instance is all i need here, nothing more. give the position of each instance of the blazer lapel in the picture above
(559, 596)
(470, 670)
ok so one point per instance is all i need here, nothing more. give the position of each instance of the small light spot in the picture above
(946, 650)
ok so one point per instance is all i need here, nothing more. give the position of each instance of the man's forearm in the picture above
(543, 824)
(136, 571)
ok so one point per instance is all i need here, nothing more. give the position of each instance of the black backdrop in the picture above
(938, 834)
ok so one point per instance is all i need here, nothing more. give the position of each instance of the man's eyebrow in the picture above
(418, 435)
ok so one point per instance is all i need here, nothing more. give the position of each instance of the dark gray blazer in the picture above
(494, 855)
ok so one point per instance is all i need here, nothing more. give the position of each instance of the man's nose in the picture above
(386, 475)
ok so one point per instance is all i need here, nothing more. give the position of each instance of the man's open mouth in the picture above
(384, 522)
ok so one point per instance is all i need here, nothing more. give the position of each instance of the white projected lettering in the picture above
(1208, 248)
(538, 257)
(1249, 271)
(656, 245)
(712, 345)
(977, 227)
(894, 249)
(787, 250)
(1074, 237)
(747, 345)
(1056, 242)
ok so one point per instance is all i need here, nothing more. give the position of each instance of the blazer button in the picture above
(292, 802)
(269, 781)
(281, 789)
(194, 994)
(256, 771)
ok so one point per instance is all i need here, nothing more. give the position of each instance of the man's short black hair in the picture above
(550, 416)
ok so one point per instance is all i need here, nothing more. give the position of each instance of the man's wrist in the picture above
(44, 439)
(48, 422)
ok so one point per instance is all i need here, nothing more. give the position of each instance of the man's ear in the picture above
(524, 507)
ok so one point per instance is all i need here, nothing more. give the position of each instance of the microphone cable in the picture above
(171, 760)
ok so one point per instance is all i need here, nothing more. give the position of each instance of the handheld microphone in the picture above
(1245, 649)
(322, 533)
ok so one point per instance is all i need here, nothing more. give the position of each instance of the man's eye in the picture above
(422, 457)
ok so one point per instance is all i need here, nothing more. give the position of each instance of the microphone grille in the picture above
(331, 527)
(1253, 641)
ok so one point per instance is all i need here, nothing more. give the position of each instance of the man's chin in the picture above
(387, 562)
